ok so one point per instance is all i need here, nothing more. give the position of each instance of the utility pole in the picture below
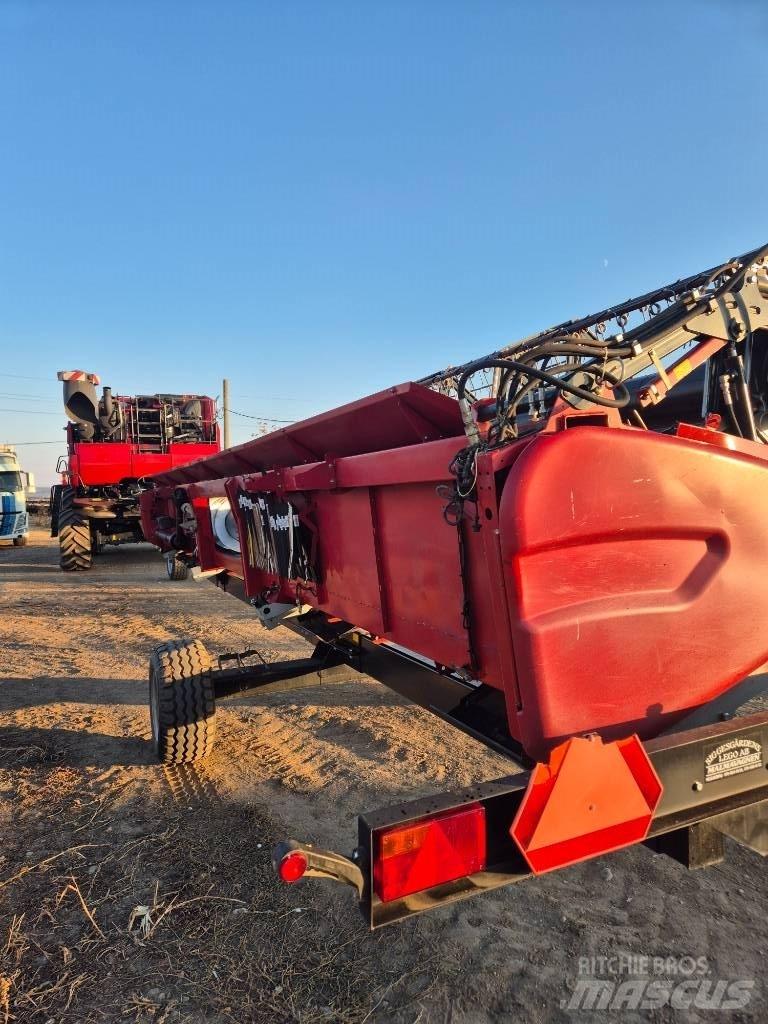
(225, 403)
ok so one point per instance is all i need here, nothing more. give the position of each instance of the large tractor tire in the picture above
(74, 534)
(176, 569)
(181, 702)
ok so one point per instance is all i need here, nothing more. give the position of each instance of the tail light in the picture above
(427, 852)
(292, 866)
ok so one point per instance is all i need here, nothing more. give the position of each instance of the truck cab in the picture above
(14, 487)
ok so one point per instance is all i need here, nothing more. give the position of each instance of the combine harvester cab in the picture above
(559, 549)
(15, 485)
(113, 443)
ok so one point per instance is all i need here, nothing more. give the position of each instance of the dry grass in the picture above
(116, 909)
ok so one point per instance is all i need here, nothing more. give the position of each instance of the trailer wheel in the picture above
(176, 569)
(20, 542)
(74, 534)
(181, 702)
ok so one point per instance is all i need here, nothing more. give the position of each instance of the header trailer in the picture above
(557, 548)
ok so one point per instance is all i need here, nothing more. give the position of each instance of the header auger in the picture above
(560, 549)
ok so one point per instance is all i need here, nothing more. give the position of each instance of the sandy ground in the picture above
(93, 831)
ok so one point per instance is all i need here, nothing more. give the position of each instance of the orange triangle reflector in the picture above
(590, 798)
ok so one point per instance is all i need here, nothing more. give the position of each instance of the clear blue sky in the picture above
(321, 199)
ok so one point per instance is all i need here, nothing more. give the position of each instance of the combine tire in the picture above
(176, 569)
(19, 542)
(181, 702)
(74, 535)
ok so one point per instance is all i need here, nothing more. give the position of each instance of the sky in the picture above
(319, 200)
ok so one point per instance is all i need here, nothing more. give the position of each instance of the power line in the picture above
(28, 398)
(275, 398)
(22, 376)
(31, 412)
(248, 416)
(24, 444)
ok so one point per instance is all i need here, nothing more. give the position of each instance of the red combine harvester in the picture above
(113, 442)
(560, 549)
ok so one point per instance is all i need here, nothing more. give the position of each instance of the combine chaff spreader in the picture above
(560, 549)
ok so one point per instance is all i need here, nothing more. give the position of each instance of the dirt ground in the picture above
(126, 898)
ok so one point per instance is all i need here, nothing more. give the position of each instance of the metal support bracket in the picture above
(326, 665)
(271, 615)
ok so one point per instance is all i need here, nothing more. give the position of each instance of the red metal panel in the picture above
(386, 556)
(351, 584)
(158, 517)
(418, 555)
(405, 415)
(94, 464)
(97, 463)
(208, 554)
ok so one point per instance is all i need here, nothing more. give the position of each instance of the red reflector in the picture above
(590, 798)
(292, 866)
(411, 858)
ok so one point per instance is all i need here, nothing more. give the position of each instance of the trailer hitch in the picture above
(293, 860)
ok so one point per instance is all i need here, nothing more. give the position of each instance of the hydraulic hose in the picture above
(548, 378)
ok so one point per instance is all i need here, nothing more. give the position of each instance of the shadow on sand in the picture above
(25, 746)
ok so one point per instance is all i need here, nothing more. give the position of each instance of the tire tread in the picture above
(179, 571)
(186, 703)
(74, 535)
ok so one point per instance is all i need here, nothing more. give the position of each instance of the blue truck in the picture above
(14, 487)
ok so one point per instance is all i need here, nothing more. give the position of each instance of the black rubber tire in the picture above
(74, 535)
(176, 569)
(181, 702)
(20, 542)
(53, 508)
